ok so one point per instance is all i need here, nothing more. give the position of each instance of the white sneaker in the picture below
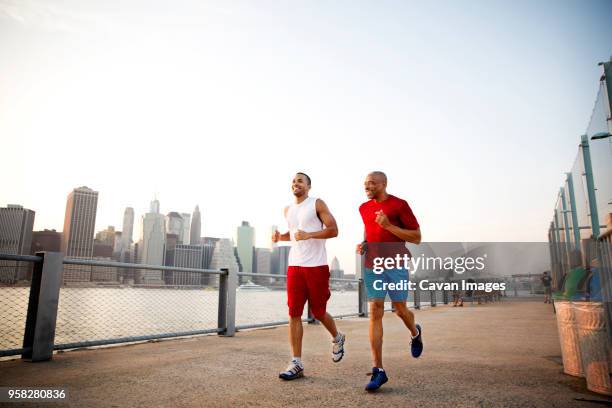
(338, 349)
(293, 371)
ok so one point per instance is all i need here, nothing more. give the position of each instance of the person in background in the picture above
(546, 280)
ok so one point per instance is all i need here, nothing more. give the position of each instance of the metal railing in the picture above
(58, 315)
(41, 319)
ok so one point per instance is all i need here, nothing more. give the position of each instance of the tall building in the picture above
(154, 207)
(127, 233)
(280, 259)
(223, 256)
(335, 271)
(263, 264)
(171, 243)
(118, 245)
(245, 235)
(107, 236)
(187, 256)
(16, 225)
(79, 223)
(196, 227)
(209, 244)
(174, 224)
(185, 237)
(78, 235)
(47, 240)
(152, 250)
(104, 243)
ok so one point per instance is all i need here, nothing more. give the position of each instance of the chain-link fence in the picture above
(101, 313)
(262, 300)
(94, 308)
(579, 233)
(14, 299)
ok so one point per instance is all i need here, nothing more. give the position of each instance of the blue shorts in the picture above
(376, 284)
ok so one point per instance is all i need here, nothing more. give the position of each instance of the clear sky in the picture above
(473, 108)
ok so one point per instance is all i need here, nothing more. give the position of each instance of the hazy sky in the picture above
(474, 109)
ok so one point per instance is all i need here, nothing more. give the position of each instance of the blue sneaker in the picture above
(416, 345)
(379, 377)
(295, 370)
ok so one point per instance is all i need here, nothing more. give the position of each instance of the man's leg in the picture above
(296, 298)
(402, 311)
(377, 310)
(296, 333)
(330, 325)
(317, 279)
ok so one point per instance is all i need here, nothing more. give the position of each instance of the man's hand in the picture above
(382, 220)
(361, 248)
(276, 236)
(301, 235)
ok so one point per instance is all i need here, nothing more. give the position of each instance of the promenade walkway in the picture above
(503, 354)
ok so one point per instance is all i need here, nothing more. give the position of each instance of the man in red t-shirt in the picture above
(389, 224)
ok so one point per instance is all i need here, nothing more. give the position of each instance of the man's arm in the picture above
(413, 236)
(326, 217)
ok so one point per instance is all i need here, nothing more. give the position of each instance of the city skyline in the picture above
(152, 221)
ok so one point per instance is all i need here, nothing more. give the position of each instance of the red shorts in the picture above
(308, 283)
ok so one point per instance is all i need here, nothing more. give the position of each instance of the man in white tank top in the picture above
(310, 223)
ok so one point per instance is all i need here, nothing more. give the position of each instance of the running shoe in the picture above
(379, 377)
(416, 344)
(293, 371)
(338, 349)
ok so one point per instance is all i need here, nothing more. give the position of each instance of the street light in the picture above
(600, 135)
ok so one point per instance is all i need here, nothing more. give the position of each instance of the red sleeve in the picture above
(407, 217)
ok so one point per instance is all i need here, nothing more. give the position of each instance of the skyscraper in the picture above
(280, 259)
(196, 227)
(127, 232)
(335, 271)
(78, 234)
(245, 237)
(185, 237)
(188, 256)
(223, 256)
(153, 240)
(16, 225)
(174, 224)
(154, 207)
(79, 223)
(263, 264)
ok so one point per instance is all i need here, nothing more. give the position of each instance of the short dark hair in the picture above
(305, 175)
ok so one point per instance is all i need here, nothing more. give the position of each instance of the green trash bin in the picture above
(573, 285)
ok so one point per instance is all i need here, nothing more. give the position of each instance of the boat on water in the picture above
(252, 287)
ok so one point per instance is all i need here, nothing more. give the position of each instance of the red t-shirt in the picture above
(380, 241)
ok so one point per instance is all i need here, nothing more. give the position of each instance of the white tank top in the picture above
(310, 252)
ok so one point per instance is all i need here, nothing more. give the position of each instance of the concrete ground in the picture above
(503, 354)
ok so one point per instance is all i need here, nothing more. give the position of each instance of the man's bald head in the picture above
(379, 175)
(376, 185)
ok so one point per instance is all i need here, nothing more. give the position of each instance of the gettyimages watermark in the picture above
(458, 265)
(397, 268)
